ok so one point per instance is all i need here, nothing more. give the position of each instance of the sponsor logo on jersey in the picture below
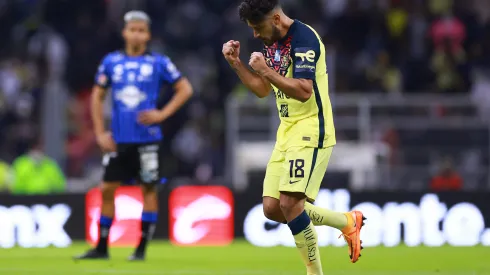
(130, 96)
(131, 65)
(305, 60)
(281, 95)
(308, 56)
(277, 56)
(284, 111)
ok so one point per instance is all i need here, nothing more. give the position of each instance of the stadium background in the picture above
(410, 85)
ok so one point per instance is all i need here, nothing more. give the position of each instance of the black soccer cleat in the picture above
(137, 256)
(92, 254)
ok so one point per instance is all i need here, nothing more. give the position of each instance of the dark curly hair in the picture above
(255, 11)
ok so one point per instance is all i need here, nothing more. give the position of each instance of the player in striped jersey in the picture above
(132, 148)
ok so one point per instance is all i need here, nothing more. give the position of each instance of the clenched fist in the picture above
(231, 52)
(257, 62)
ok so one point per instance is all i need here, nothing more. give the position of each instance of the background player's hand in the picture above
(257, 62)
(150, 117)
(231, 52)
(106, 142)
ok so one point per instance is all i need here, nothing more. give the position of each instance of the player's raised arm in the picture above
(257, 84)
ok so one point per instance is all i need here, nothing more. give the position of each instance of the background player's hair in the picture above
(136, 16)
(255, 10)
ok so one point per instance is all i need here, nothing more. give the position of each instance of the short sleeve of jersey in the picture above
(306, 50)
(102, 77)
(168, 71)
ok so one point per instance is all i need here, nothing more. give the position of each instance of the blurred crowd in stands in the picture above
(390, 46)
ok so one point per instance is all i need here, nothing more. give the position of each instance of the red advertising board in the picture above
(126, 227)
(201, 215)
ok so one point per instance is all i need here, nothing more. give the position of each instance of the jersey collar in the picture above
(291, 30)
(147, 52)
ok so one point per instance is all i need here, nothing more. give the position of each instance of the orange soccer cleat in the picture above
(352, 234)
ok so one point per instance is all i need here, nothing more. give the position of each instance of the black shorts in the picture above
(131, 162)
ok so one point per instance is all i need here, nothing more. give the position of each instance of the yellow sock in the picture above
(322, 216)
(307, 243)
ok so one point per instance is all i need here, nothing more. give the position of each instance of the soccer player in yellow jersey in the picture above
(293, 66)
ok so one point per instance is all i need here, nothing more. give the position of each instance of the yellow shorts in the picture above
(299, 169)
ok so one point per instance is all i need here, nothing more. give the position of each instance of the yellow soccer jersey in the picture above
(301, 54)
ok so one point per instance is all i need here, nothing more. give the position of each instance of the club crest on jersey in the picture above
(146, 70)
(118, 69)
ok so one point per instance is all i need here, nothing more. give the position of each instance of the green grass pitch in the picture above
(241, 258)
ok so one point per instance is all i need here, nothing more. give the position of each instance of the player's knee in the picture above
(286, 205)
(108, 191)
(273, 212)
(271, 209)
(291, 201)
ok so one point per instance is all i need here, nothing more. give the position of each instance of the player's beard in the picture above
(275, 36)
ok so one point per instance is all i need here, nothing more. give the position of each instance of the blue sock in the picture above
(299, 223)
(150, 217)
(105, 221)
(148, 224)
(104, 228)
